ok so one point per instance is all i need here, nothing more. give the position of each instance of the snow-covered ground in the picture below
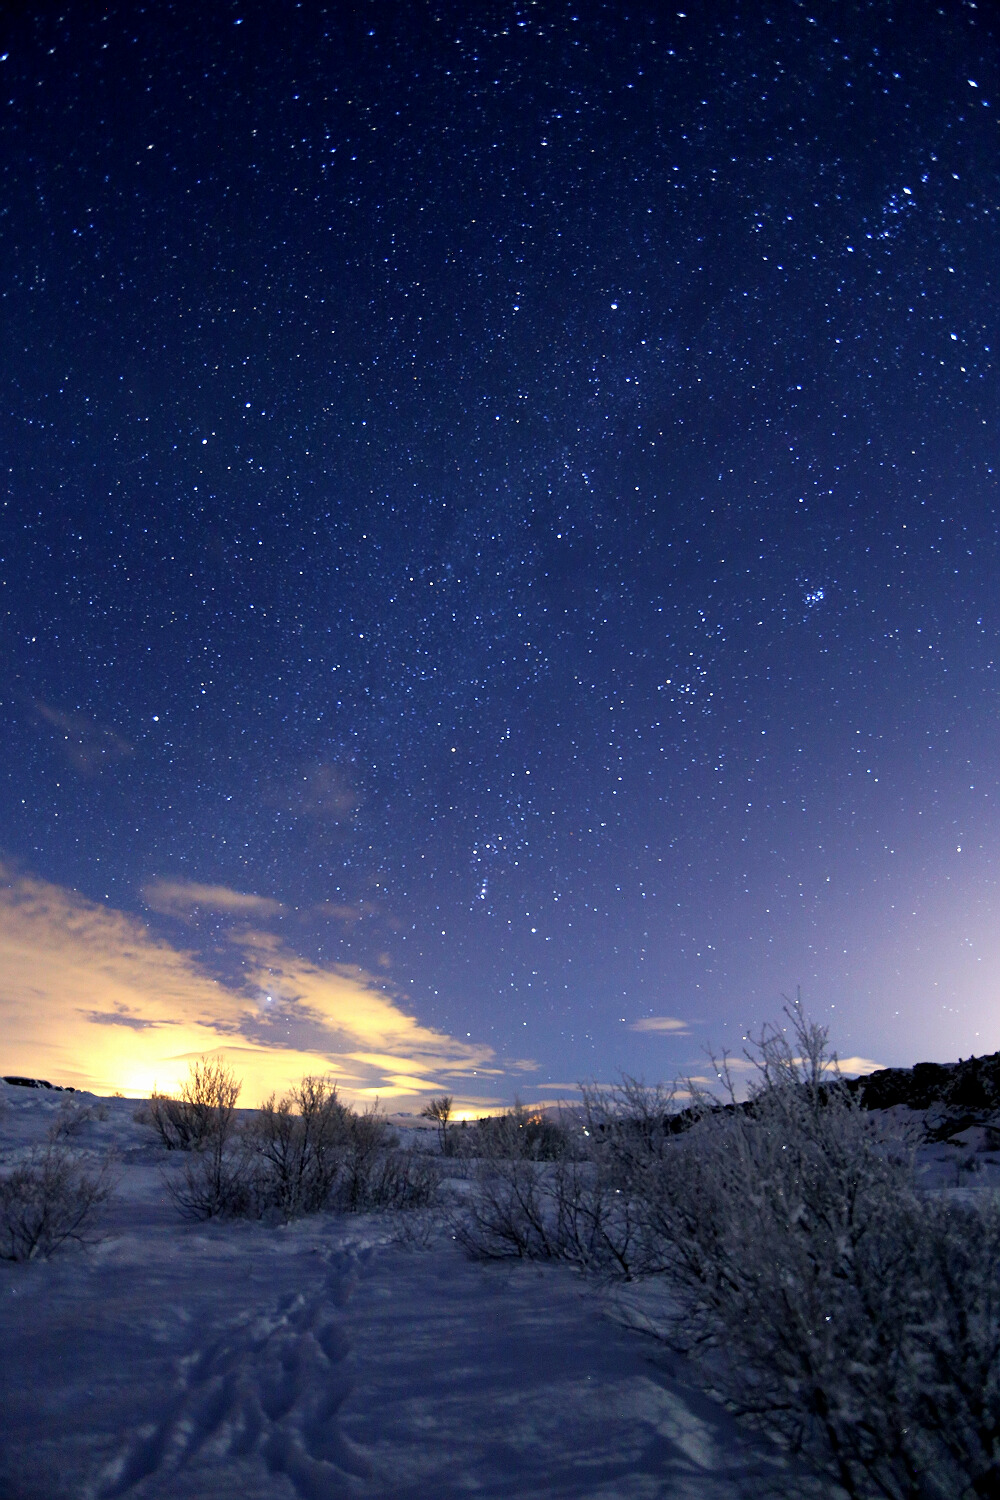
(336, 1357)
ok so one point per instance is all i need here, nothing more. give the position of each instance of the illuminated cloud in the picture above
(340, 1013)
(186, 898)
(121, 1017)
(89, 996)
(659, 1023)
(88, 747)
(849, 1066)
(859, 1065)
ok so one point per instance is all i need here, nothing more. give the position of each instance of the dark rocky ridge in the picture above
(973, 1084)
(954, 1098)
(37, 1083)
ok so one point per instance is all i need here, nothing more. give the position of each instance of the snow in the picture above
(340, 1356)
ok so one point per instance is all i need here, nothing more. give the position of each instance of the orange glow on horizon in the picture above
(89, 996)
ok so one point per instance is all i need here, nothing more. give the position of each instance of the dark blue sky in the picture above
(516, 485)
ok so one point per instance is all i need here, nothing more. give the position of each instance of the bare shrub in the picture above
(420, 1228)
(565, 1188)
(568, 1211)
(207, 1101)
(49, 1200)
(629, 1125)
(508, 1214)
(302, 1154)
(367, 1139)
(173, 1121)
(314, 1153)
(217, 1180)
(297, 1144)
(517, 1133)
(439, 1110)
(203, 1121)
(597, 1223)
(389, 1179)
(71, 1119)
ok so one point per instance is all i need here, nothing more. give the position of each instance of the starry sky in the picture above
(498, 536)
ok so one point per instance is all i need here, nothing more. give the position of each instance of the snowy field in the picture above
(340, 1356)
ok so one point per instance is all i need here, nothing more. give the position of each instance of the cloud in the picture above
(659, 1023)
(121, 1017)
(88, 746)
(859, 1065)
(90, 996)
(349, 915)
(183, 898)
(849, 1066)
(318, 790)
(341, 1011)
(556, 1095)
(574, 1086)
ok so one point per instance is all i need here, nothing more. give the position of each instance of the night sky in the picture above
(499, 529)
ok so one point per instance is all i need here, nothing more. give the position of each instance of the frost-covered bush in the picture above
(48, 1200)
(782, 1226)
(820, 1293)
(566, 1210)
(72, 1119)
(946, 1389)
(296, 1144)
(564, 1188)
(206, 1104)
(389, 1178)
(302, 1154)
(516, 1134)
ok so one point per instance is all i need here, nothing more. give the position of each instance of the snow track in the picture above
(272, 1387)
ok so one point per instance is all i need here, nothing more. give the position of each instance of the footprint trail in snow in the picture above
(270, 1388)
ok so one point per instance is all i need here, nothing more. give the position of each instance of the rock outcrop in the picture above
(954, 1097)
(38, 1083)
(972, 1083)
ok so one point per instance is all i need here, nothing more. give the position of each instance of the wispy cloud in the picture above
(343, 1012)
(319, 790)
(88, 746)
(120, 1017)
(561, 1087)
(660, 1023)
(859, 1065)
(90, 996)
(349, 915)
(187, 898)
